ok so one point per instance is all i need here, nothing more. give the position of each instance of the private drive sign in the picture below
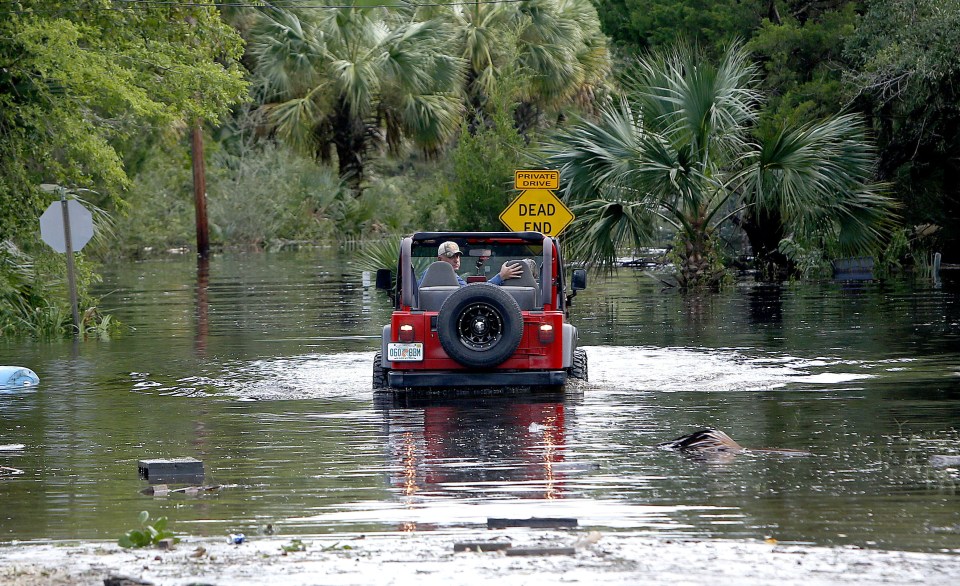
(536, 180)
(537, 210)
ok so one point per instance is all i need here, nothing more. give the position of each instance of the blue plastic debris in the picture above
(17, 376)
(236, 538)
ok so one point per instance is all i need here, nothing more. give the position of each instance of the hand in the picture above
(511, 270)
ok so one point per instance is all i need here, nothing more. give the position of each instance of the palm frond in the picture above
(818, 177)
(431, 119)
(604, 227)
(595, 156)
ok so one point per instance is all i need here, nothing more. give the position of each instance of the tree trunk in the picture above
(772, 13)
(349, 138)
(475, 103)
(697, 270)
(525, 117)
(764, 230)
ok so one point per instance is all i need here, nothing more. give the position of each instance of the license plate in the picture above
(405, 352)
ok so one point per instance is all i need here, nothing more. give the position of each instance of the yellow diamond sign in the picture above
(537, 210)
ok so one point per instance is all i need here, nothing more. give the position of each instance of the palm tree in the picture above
(555, 47)
(486, 44)
(677, 148)
(813, 183)
(349, 77)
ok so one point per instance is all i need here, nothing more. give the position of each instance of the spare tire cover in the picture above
(480, 325)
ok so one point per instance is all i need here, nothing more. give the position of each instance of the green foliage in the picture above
(678, 147)
(380, 254)
(711, 271)
(803, 64)
(294, 545)
(325, 73)
(76, 81)
(809, 261)
(484, 165)
(149, 533)
(408, 195)
(160, 211)
(906, 75)
(263, 192)
(34, 299)
(896, 254)
(650, 24)
(258, 194)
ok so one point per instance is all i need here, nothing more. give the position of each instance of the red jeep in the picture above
(443, 334)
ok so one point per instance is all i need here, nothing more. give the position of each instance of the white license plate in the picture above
(405, 352)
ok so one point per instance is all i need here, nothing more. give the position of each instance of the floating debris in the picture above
(542, 551)
(714, 444)
(182, 470)
(533, 522)
(479, 546)
(17, 376)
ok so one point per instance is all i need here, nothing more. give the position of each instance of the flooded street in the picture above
(260, 366)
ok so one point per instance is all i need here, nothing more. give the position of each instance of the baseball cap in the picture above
(449, 249)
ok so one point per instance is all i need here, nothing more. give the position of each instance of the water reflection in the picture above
(203, 304)
(766, 305)
(503, 447)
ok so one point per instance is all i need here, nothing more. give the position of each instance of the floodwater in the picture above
(260, 366)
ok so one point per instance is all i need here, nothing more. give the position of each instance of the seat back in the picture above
(524, 289)
(439, 282)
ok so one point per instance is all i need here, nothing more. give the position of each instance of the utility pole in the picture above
(200, 191)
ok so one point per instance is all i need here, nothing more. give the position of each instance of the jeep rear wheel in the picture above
(579, 368)
(480, 326)
(379, 374)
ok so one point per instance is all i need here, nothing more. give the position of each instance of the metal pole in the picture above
(71, 277)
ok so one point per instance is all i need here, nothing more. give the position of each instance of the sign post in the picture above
(537, 208)
(67, 226)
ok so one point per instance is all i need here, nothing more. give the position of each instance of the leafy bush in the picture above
(257, 194)
(265, 192)
(150, 533)
(34, 299)
(484, 164)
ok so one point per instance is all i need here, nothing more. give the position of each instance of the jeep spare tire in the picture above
(480, 325)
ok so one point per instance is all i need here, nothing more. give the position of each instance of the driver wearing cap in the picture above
(449, 252)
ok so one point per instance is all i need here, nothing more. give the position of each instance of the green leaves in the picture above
(689, 159)
(148, 534)
(77, 81)
(325, 75)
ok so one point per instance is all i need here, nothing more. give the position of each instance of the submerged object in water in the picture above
(703, 440)
(17, 376)
(713, 442)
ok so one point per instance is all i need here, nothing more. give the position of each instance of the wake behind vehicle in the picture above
(442, 334)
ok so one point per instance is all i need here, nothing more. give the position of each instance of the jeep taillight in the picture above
(546, 333)
(406, 333)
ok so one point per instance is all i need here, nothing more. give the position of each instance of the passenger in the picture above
(449, 252)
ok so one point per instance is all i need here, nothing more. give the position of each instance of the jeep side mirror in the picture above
(384, 279)
(579, 280)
